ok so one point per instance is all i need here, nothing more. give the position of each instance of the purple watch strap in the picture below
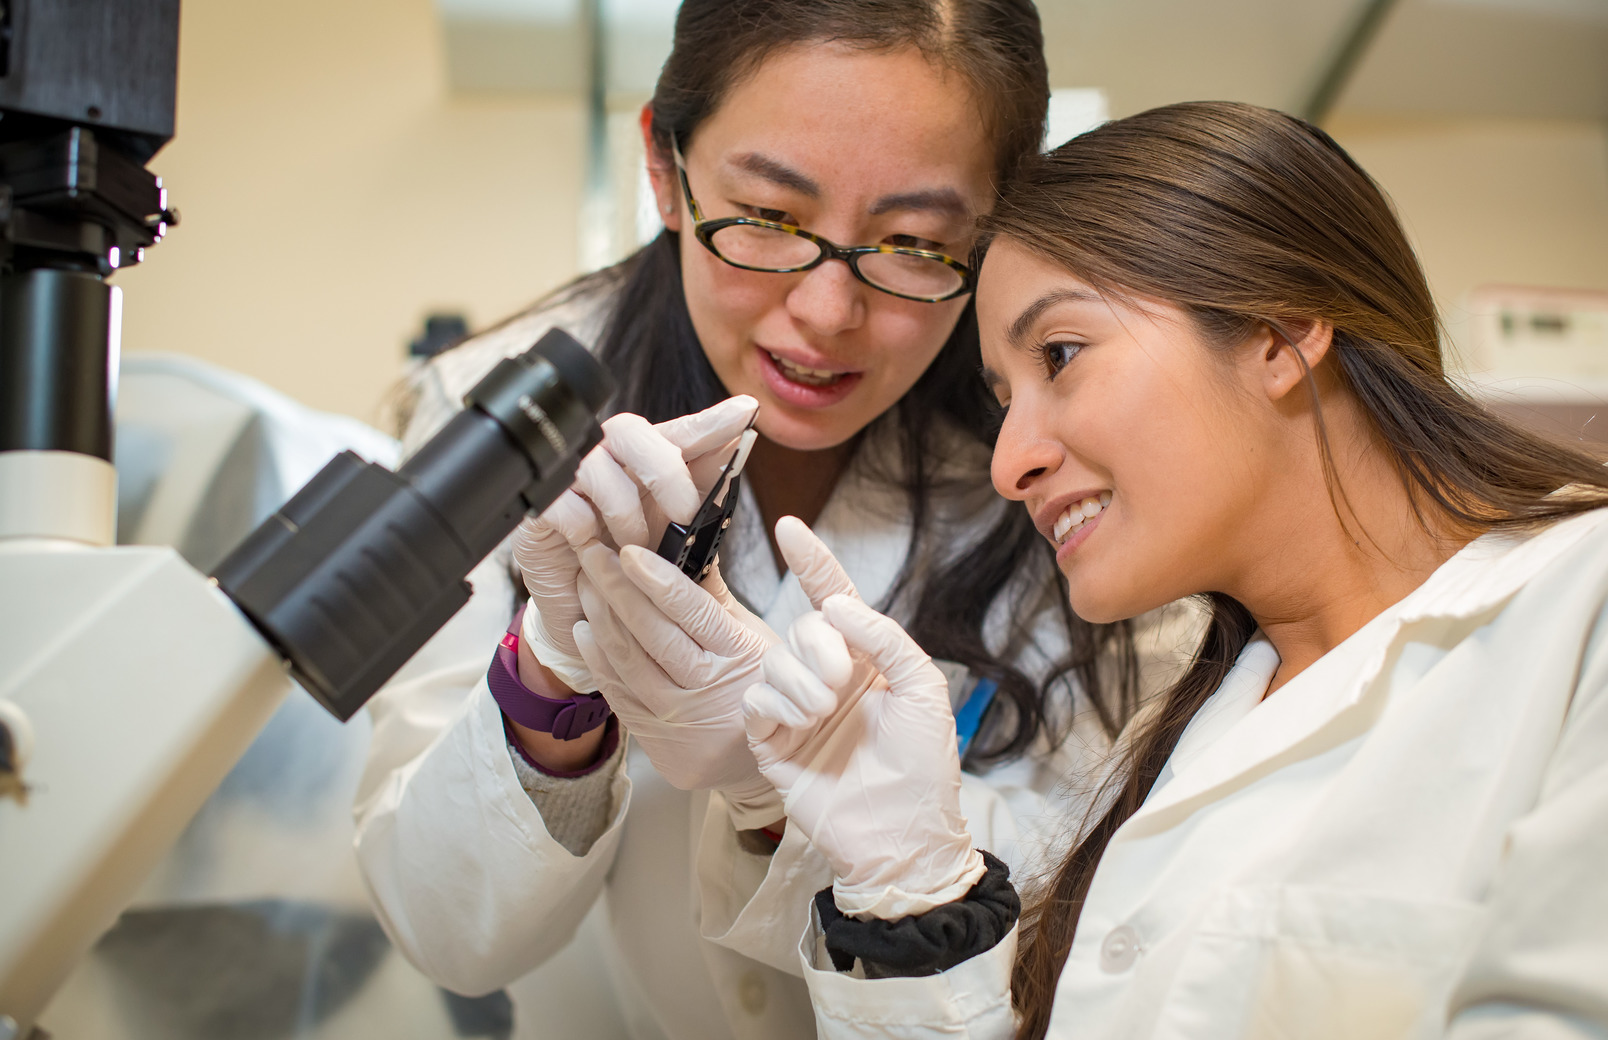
(611, 740)
(565, 718)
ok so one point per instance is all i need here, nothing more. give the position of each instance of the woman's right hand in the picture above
(627, 488)
(853, 728)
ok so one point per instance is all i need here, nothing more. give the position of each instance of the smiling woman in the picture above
(1374, 804)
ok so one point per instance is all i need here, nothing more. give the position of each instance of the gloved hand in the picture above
(624, 491)
(673, 660)
(853, 726)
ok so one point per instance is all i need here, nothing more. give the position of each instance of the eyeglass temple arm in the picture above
(686, 188)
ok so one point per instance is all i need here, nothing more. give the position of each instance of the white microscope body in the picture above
(130, 685)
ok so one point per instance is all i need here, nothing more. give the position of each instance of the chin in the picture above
(800, 434)
(1100, 607)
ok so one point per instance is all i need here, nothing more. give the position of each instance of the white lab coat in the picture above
(1409, 839)
(470, 885)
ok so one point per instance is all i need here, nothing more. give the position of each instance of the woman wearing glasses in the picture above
(819, 165)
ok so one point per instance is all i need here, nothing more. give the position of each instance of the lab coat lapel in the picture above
(1330, 703)
(1310, 711)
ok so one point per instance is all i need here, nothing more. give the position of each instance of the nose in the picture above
(828, 300)
(1023, 456)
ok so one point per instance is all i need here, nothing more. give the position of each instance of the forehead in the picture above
(1020, 292)
(1015, 282)
(861, 123)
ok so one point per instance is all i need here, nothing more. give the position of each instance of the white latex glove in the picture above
(674, 658)
(853, 726)
(625, 490)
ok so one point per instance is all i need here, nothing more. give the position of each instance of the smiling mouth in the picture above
(808, 376)
(1077, 514)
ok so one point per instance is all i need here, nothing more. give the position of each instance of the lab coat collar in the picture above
(1237, 736)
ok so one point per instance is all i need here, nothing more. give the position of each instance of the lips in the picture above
(1078, 513)
(796, 381)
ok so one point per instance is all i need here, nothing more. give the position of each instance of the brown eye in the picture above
(1056, 356)
(775, 216)
(912, 242)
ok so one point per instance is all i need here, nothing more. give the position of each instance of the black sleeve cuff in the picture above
(924, 944)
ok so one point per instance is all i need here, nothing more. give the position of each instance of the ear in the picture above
(661, 173)
(1286, 355)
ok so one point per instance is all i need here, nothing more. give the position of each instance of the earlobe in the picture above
(661, 173)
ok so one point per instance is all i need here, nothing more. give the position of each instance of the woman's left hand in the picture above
(673, 658)
(853, 726)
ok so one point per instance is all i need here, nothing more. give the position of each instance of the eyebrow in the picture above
(777, 173)
(943, 200)
(1017, 333)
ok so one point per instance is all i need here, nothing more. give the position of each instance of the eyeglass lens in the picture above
(753, 246)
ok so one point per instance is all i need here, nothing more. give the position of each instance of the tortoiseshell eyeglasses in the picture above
(766, 245)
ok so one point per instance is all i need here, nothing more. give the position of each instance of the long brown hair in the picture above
(1248, 219)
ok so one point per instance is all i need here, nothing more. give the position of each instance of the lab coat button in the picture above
(1120, 950)
(751, 993)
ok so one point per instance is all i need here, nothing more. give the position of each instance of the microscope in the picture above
(129, 682)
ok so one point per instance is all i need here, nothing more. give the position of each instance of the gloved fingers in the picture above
(570, 522)
(676, 651)
(769, 707)
(899, 658)
(638, 677)
(540, 550)
(812, 700)
(618, 499)
(808, 557)
(708, 467)
(548, 566)
(821, 649)
(769, 717)
(692, 609)
(654, 462)
(702, 432)
(759, 718)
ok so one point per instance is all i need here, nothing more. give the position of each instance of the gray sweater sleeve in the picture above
(576, 809)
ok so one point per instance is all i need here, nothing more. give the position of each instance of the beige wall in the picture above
(1492, 201)
(332, 194)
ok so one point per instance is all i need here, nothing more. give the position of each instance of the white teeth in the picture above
(812, 376)
(1063, 524)
(1079, 513)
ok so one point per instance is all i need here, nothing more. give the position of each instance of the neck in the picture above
(789, 482)
(1335, 565)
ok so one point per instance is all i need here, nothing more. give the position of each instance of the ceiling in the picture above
(1527, 58)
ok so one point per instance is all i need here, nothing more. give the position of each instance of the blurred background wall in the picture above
(333, 190)
(345, 167)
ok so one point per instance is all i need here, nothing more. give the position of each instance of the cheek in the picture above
(1183, 488)
(907, 336)
(725, 303)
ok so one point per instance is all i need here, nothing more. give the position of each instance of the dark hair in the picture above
(1250, 219)
(650, 344)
